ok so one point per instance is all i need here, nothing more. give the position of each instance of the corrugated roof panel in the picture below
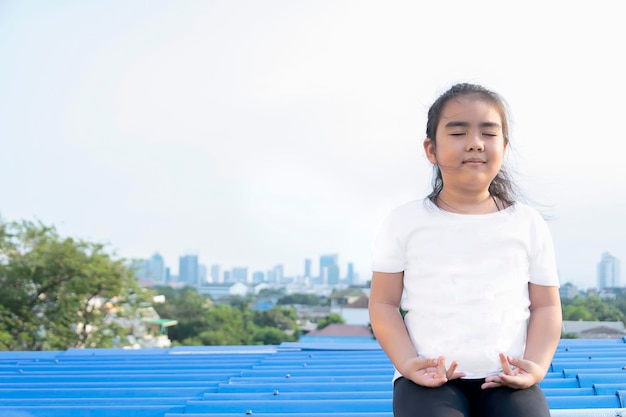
(334, 379)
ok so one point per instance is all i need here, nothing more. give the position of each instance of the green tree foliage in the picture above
(332, 318)
(278, 317)
(59, 292)
(591, 308)
(201, 322)
(303, 299)
(187, 307)
(576, 313)
(269, 336)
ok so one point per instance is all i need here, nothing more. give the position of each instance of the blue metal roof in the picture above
(308, 379)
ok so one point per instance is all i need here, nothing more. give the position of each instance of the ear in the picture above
(429, 148)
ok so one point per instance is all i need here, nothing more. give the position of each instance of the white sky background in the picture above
(267, 132)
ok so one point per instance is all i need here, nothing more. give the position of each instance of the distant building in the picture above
(203, 274)
(279, 273)
(152, 269)
(595, 329)
(331, 275)
(220, 291)
(215, 274)
(258, 277)
(340, 333)
(350, 277)
(239, 274)
(329, 270)
(188, 269)
(568, 290)
(307, 268)
(351, 304)
(608, 272)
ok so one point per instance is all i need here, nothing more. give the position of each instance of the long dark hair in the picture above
(502, 187)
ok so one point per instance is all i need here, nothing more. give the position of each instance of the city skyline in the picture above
(195, 272)
(260, 132)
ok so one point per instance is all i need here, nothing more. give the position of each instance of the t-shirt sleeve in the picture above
(388, 249)
(543, 269)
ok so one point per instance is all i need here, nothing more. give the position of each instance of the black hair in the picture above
(502, 187)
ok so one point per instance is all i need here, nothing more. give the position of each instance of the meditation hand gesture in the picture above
(430, 372)
(516, 373)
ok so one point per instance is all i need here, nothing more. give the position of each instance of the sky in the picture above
(257, 133)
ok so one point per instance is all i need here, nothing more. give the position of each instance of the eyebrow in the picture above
(466, 124)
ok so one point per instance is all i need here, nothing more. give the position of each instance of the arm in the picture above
(387, 322)
(543, 334)
(392, 335)
(544, 326)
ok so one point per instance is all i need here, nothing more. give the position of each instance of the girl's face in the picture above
(470, 145)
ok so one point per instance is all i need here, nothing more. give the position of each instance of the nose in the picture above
(475, 142)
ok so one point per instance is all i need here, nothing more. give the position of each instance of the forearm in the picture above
(391, 333)
(544, 332)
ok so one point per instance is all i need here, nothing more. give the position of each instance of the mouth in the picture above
(474, 161)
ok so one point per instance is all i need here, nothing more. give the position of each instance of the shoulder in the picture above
(405, 217)
(410, 211)
(524, 210)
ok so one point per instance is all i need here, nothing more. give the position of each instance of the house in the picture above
(351, 304)
(595, 329)
(218, 291)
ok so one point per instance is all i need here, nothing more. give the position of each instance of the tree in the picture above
(59, 292)
(332, 318)
(278, 317)
(576, 313)
(270, 336)
(186, 306)
(304, 299)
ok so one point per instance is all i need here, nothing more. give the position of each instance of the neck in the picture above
(464, 203)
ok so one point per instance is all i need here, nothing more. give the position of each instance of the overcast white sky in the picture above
(265, 132)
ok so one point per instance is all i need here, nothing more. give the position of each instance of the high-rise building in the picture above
(215, 274)
(152, 269)
(307, 268)
(202, 274)
(332, 274)
(156, 268)
(270, 276)
(608, 272)
(188, 269)
(350, 274)
(328, 269)
(279, 274)
(239, 275)
(258, 277)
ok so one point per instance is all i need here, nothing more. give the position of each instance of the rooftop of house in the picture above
(343, 330)
(304, 379)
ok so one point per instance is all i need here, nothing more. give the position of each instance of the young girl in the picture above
(483, 314)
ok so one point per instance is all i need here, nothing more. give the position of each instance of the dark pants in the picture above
(465, 398)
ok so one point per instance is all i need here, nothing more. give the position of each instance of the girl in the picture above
(477, 268)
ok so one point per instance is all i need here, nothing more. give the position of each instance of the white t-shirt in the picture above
(466, 279)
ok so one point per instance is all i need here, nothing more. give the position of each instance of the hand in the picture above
(516, 373)
(430, 372)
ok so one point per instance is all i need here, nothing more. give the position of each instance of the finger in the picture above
(452, 370)
(436, 381)
(441, 366)
(458, 375)
(490, 384)
(506, 368)
(519, 363)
